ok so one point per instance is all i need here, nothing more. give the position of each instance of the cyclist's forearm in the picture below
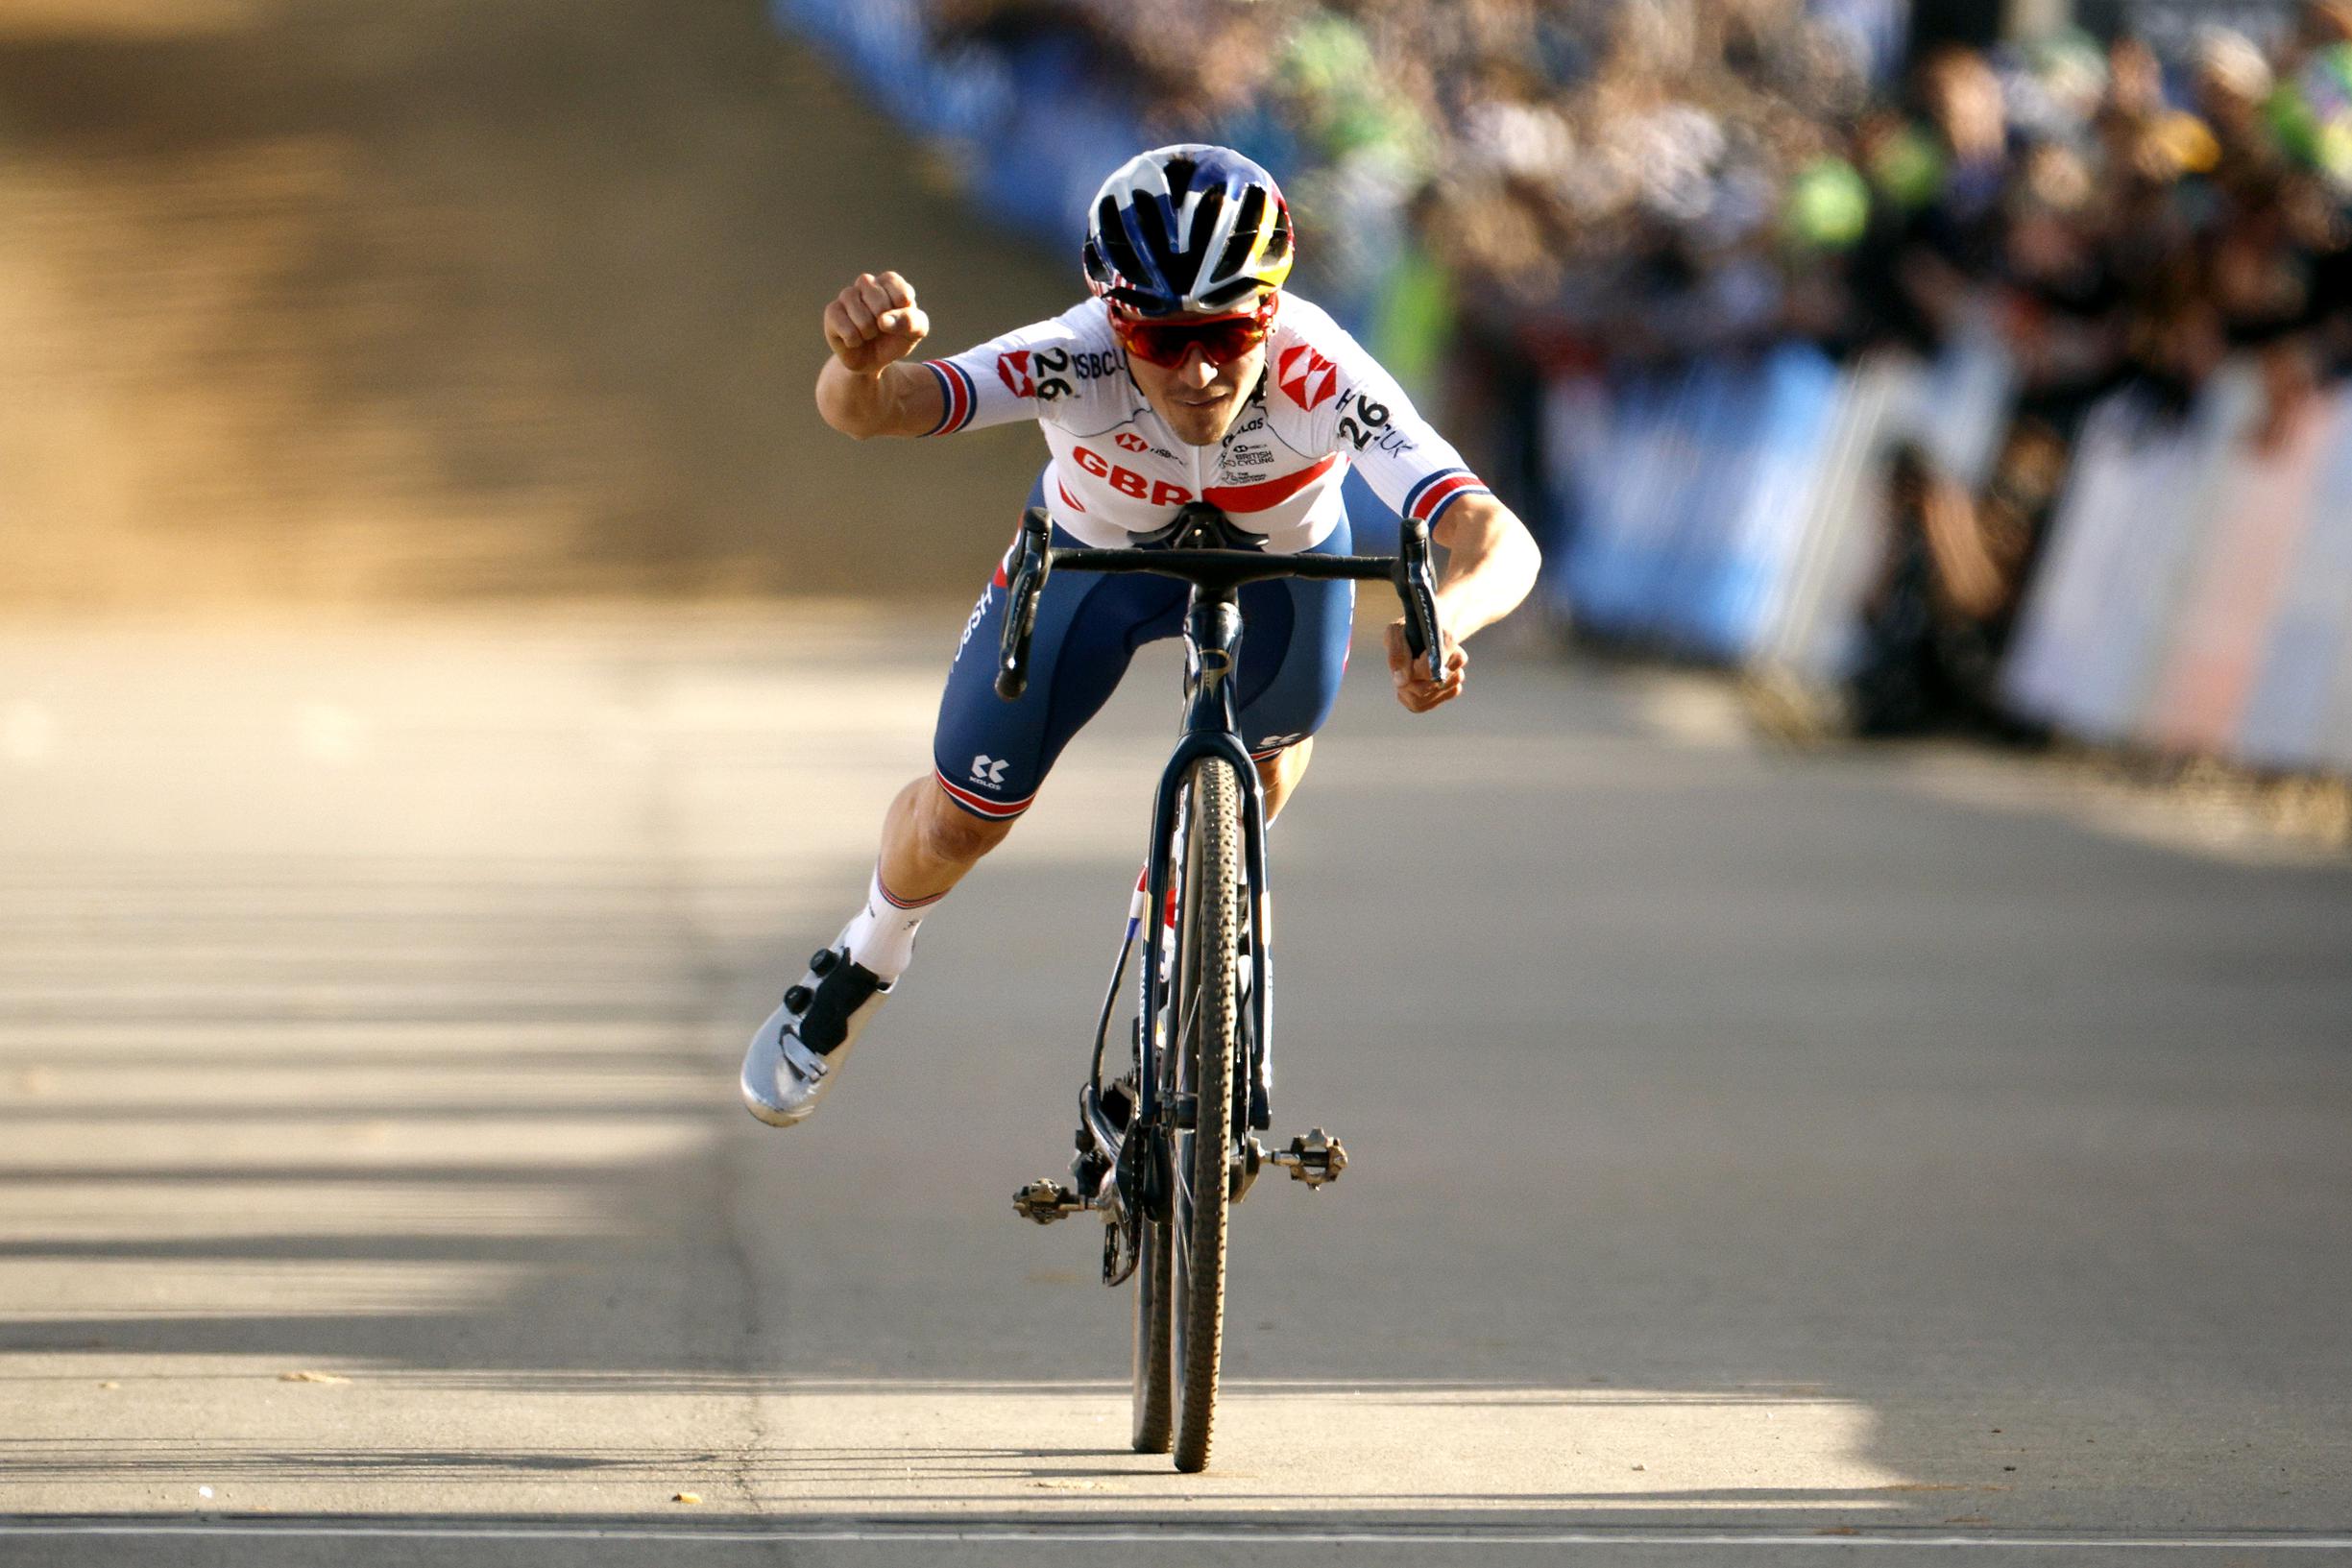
(1491, 563)
(904, 399)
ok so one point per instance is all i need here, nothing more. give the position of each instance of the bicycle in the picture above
(1166, 1152)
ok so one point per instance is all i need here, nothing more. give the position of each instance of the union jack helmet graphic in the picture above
(1191, 228)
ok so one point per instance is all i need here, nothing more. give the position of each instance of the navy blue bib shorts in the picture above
(992, 755)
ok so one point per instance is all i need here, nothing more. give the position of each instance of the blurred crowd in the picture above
(1521, 189)
(1638, 178)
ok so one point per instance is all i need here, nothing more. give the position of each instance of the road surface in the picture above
(1756, 1157)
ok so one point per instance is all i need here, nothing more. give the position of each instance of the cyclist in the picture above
(1188, 375)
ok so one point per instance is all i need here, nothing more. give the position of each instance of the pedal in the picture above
(1046, 1201)
(1316, 1158)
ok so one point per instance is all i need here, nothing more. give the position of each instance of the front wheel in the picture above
(1205, 1035)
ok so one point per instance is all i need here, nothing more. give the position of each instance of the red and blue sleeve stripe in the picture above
(954, 393)
(1425, 501)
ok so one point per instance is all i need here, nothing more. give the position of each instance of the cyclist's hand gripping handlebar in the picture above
(1025, 572)
(1423, 637)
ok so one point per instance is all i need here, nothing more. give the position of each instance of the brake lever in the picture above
(1424, 637)
(1029, 562)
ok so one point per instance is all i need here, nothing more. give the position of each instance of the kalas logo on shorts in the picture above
(1132, 442)
(1012, 370)
(1306, 378)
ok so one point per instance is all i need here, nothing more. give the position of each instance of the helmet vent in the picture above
(1119, 248)
(1244, 234)
(1179, 254)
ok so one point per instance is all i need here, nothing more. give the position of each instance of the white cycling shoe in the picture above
(797, 1053)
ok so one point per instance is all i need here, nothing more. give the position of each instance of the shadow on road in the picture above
(1728, 1192)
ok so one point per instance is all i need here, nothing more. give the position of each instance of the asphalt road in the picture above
(1756, 1157)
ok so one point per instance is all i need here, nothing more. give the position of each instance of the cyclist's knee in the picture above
(1279, 773)
(949, 832)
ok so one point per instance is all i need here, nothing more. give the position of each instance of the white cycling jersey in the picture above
(1119, 472)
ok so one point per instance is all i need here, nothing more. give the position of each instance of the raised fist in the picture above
(874, 322)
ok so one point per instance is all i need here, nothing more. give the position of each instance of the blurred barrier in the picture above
(2196, 596)
(1684, 493)
(1726, 509)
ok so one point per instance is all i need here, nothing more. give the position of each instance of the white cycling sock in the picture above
(880, 936)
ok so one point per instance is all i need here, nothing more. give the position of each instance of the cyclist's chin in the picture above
(1201, 424)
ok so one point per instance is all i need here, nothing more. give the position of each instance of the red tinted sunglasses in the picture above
(1221, 339)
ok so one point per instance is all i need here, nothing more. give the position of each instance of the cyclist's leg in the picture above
(928, 843)
(1294, 654)
(990, 755)
(990, 758)
(1279, 773)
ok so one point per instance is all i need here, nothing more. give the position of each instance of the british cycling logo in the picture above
(1306, 378)
(989, 771)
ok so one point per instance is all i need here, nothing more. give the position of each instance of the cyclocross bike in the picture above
(1164, 1153)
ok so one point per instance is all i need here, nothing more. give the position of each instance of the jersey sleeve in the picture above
(1415, 471)
(1021, 375)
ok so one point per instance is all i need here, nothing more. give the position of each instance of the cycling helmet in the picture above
(1189, 227)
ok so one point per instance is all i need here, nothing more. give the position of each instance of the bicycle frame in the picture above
(1212, 639)
(1213, 633)
(1165, 1176)
(1213, 630)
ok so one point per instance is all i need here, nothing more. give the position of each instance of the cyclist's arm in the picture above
(1491, 558)
(866, 388)
(869, 386)
(1491, 562)
(899, 399)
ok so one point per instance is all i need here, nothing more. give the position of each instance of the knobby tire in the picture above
(1205, 1030)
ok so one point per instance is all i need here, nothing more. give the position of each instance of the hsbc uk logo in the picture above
(1130, 441)
(1306, 378)
(972, 626)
